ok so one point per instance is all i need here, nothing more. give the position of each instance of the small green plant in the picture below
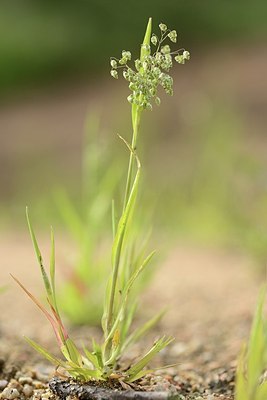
(253, 359)
(101, 362)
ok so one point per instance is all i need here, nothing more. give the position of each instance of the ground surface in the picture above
(211, 296)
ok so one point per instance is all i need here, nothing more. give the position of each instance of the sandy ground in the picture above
(211, 295)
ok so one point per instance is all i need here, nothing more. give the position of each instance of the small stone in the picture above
(27, 390)
(3, 384)
(37, 384)
(25, 379)
(10, 393)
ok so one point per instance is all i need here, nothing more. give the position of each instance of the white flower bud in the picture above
(113, 63)
(154, 40)
(126, 55)
(173, 36)
(165, 49)
(157, 101)
(186, 55)
(138, 64)
(114, 73)
(130, 98)
(180, 59)
(163, 27)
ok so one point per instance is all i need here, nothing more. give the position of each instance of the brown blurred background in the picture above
(203, 150)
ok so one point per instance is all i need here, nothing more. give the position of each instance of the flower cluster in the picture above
(151, 70)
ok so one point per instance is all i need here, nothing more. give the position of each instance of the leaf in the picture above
(124, 218)
(53, 269)
(140, 375)
(261, 393)
(126, 293)
(44, 352)
(92, 358)
(137, 272)
(241, 383)
(117, 244)
(73, 353)
(98, 353)
(113, 218)
(145, 48)
(86, 373)
(41, 307)
(257, 344)
(39, 257)
(141, 331)
(142, 363)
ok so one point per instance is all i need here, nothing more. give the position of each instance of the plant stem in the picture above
(136, 114)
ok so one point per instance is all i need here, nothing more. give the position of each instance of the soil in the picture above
(211, 296)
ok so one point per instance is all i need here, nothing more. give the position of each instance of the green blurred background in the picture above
(203, 150)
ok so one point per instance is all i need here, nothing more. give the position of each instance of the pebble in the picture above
(27, 390)
(25, 379)
(10, 394)
(3, 384)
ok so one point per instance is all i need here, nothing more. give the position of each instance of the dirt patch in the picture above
(211, 296)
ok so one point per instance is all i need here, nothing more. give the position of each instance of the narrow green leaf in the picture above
(117, 243)
(145, 48)
(257, 343)
(52, 268)
(261, 392)
(97, 351)
(41, 307)
(92, 358)
(142, 363)
(140, 375)
(241, 391)
(39, 257)
(54, 360)
(125, 294)
(86, 373)
(113, 218)
(141, 331)
(74, 353)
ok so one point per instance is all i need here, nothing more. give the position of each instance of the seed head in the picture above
(151, 71)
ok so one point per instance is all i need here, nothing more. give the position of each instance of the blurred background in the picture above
(203, 150)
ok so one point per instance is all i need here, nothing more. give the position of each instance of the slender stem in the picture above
(136, 113)
(136, 121)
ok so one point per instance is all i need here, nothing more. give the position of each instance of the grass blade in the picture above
(39, 257)
(142, 363)
(44, 352)
(141, 331)
(41, 307)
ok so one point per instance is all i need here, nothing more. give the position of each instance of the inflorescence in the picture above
(151, 70)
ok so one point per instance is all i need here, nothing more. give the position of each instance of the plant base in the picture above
(85, 391)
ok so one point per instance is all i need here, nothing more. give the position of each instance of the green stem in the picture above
(136, 114)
